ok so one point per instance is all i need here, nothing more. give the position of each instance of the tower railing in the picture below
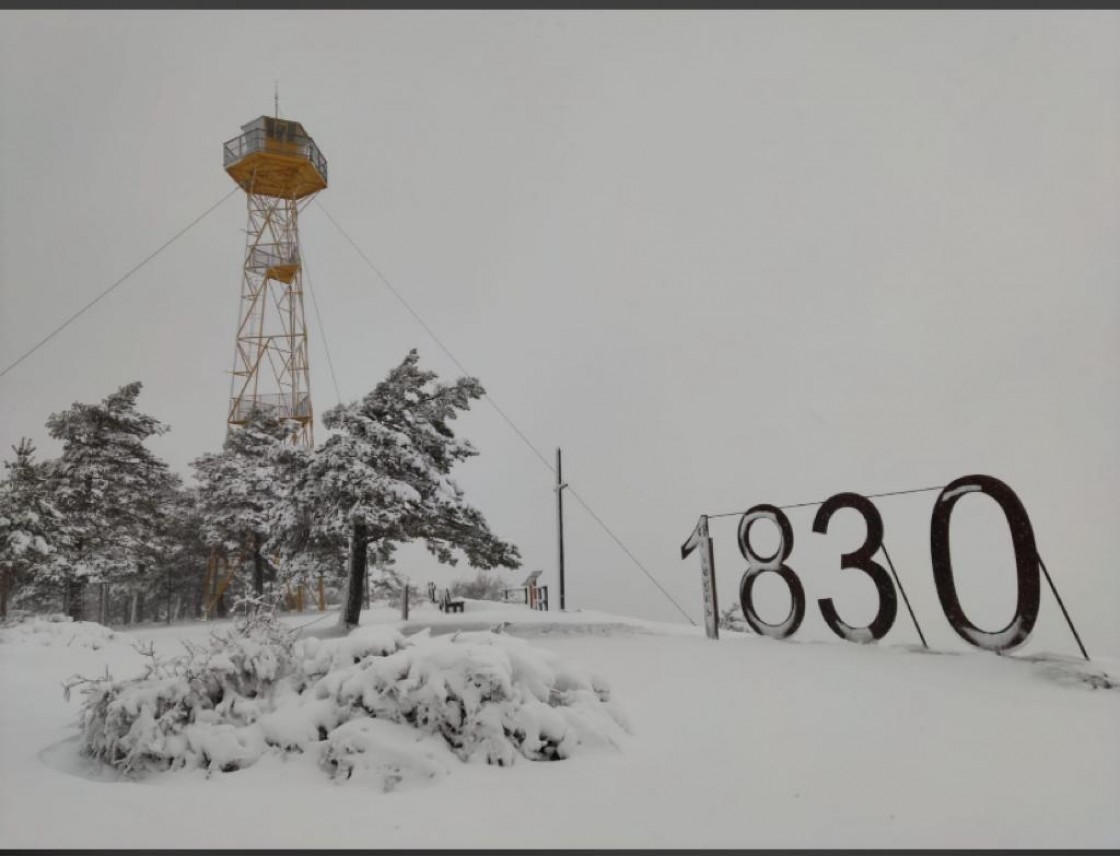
(257, 140)
(279, 404)
(273, 255)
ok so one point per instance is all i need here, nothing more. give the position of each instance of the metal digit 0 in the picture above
(1026, 563)
(757, 565)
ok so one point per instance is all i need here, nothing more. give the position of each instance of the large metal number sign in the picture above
(863, 559)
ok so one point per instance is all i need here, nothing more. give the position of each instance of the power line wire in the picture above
(322, 330)
(431, 333)
(633, 558)
(1062, 606)
(906, 600)
(822, 501)
(108, 290)
(499, 410)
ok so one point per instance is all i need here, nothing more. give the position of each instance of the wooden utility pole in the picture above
(560, 526)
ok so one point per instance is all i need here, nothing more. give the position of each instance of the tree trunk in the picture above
(358, 541)
(5, 585)
(258, 566)
(103, 604)
(74, 599)
(133, 613)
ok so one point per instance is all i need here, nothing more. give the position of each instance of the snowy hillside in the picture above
(744, 742)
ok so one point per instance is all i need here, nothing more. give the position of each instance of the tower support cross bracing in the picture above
(278, 166)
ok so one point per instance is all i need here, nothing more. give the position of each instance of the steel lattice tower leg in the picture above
(270, 363)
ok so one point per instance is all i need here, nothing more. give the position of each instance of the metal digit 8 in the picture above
(1026, 563)
(757, 565)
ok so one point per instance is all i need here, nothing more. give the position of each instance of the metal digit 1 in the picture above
(1026, 564)
(863, 559)
(702, 539)
(757, 565)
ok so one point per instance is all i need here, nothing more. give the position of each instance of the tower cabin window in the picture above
(278, 130)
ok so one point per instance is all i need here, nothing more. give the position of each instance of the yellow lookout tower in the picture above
(280, 168)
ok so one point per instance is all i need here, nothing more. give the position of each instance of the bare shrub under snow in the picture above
(374, 704)
(732, 619)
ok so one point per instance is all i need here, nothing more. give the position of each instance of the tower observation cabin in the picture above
(276, 157)
(278, 166)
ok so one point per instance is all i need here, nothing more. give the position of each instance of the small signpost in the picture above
(700, 538)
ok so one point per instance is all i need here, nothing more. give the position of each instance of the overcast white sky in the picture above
(720, 258)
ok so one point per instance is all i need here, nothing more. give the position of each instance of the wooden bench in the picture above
(447, 604)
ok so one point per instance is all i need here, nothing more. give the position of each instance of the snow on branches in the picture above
(357, 702)
(29, 521)
(242, 488)
(109, 510)
(387, 466)
(111, 493)
(382, 477)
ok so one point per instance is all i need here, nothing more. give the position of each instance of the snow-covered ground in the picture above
(745, 742)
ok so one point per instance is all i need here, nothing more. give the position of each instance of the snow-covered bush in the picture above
(395, 708)
(364, 749)
(489, 695)
(190, 710)
(22, 627)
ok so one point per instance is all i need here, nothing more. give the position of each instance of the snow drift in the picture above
(55, 630)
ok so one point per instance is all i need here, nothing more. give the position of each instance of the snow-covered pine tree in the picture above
(111, 490)
(181, 574)
(147, 582)
(382, 477)
(29, 522)
(242, 486)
